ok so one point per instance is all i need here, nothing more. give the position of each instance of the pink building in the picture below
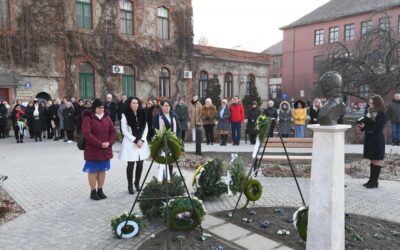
(306, 40)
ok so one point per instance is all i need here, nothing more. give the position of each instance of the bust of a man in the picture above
(331, 85)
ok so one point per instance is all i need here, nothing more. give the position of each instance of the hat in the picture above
(97, 103)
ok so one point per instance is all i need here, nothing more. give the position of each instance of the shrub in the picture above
(209, 183)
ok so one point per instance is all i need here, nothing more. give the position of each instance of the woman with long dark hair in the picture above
(134, 148)
(374, 144)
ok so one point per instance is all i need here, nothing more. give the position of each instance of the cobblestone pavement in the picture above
(46, 179)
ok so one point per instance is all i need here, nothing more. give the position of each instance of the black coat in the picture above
(271, 112)
(3, 115)
(68, 114)
(112, 110)
(374, 143)
(38, 121)
(54, 114)
(252, 116)
(313, 115)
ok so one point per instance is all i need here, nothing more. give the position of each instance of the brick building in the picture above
(275, 72)
(87, 48)
(306, 40)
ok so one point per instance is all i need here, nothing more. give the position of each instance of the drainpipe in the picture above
(293, 58)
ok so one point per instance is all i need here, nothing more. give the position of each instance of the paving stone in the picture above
(229, 231)
(256, 242)
(211, 221)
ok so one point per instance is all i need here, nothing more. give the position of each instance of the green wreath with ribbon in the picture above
(126, 226)
(300, 220)
(263, 124)
(166, 153)
(181, 216)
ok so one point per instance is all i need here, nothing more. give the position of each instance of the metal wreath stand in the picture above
(167, 197)
(257, 162)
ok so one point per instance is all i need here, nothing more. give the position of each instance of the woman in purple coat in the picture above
(99, 133)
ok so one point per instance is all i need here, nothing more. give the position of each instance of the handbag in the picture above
(80, 142)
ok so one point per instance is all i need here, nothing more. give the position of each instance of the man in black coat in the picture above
(272, 113)
(111, 107)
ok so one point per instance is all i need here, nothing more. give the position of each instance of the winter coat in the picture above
(60, 115)
(208, 115)
(252, 116)
(285, 119)
(160, 121)
(129, 150)
(3, 115)
(271, 112)
(96, 131)
(69, 118)
(299, 116)
(182, 114)
(121, 107)
(223, 120)
(38, 121)
(112, 110)
(393, 111)
(374, 143)
(237, 112)
(195, 114)
(54, 114)
(314, 115)
(16, 115)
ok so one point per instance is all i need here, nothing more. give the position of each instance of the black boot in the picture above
(370, 175)
(129, 176)
(101, 194)
(170, 167)
(138, 174)
(94, 195)
(376, 170)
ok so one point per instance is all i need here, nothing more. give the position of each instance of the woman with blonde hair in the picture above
(374, 144)
(208, 116)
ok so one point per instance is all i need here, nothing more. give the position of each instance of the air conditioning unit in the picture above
(243, 79)
(187, 74)
(117, 69)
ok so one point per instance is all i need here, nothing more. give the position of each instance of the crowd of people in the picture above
(96, 121)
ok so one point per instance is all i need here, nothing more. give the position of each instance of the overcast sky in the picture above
(251, 25)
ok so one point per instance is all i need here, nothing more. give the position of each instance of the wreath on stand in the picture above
(162, 153)
(263, 125)
(207, 179)
(252, 191)
(300, 219)
(181, 214)
(127, 226)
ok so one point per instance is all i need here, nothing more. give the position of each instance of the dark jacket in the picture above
(161, 116)
(121, 109)
(54, 114)
(223, 120)
(69, 121)
(3, 115)
(38, 121)
(96, 131)
(252, 115)
(112, 110)
(271, 112)
(374, 143)
(393, 111)
(313, 115)
(182, 114)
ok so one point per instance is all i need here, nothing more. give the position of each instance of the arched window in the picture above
(84, 14)
(129, 81)
(228, 85)
(251, 81)
(86, 81)
(164, 85)
(4, 15)
(163, 23)
(126, 17)
(203, 80)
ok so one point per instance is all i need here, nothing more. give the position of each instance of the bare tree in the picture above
(368, 65)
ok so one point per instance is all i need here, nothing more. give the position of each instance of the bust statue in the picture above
(331, 85)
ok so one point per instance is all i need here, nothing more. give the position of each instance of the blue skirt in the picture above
(96, 166)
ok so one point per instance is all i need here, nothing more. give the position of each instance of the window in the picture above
(277, 63)
(163, 23)
(275, 91)
(86, 81)
(365, 27)
(333, 34)
(319, 37)
(384, 23)
(126, 17)
(349, 32)
(317, 63)
(4, 15)
(228, 85)
(364, 90)
(128, 81)
(84, 14)
(203, 84)
(164, 88)
(251, 81)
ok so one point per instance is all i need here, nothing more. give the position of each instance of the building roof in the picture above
(274, 50)
(230, 54)
(336, 9)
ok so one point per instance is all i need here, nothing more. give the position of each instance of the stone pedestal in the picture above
(326, 207)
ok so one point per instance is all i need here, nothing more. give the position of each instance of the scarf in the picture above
(137, 122)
